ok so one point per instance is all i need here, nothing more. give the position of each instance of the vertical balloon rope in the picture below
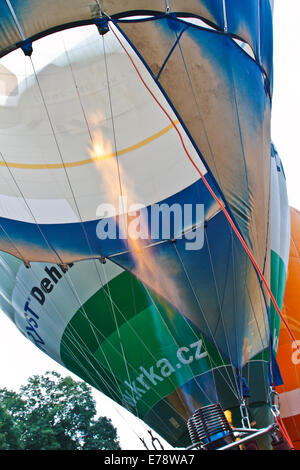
(284, 432)
(233, 387)
(227, 215)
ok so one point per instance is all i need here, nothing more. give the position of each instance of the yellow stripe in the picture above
(54, 166)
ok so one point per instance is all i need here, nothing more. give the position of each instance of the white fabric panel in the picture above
(49, 126)
(84, 278)
(280, 212)
(290, 403)
(43, 210)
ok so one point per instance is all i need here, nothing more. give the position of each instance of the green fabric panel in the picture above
(278, 282)
(147, 343)
(129, 297)
(153, 337)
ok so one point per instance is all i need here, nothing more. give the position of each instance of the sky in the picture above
(286, 99)
(19, 358)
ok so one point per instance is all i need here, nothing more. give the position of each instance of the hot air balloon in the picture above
(288, 354)
(135, 138)
(93, 318)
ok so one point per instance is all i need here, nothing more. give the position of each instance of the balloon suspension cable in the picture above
(219, 202)
(275, 407)
(154, 439)
(144, 442)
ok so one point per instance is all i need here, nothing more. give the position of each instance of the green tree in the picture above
(52, 412)
(10, 435)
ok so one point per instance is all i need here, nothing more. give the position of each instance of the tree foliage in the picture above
(53, 413)
(10, 435)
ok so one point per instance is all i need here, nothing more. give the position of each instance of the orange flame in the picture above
(116, 182)
(228, 416)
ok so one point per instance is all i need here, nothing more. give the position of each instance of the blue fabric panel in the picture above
(215, 9)
(213, 290)
(275, 377)
(266, 40)
(252, 22)
(8, 30)
(179, 436)
(243, 21)
(75, 241)
(226, 111)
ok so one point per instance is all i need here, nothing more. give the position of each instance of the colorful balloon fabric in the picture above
(131, 134)
(288, 354)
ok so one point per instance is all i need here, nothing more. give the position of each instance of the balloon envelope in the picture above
(103, 324)
(168, 114)
(145, 112)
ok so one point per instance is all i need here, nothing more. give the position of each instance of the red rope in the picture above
(278, 419)
(213, 194)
